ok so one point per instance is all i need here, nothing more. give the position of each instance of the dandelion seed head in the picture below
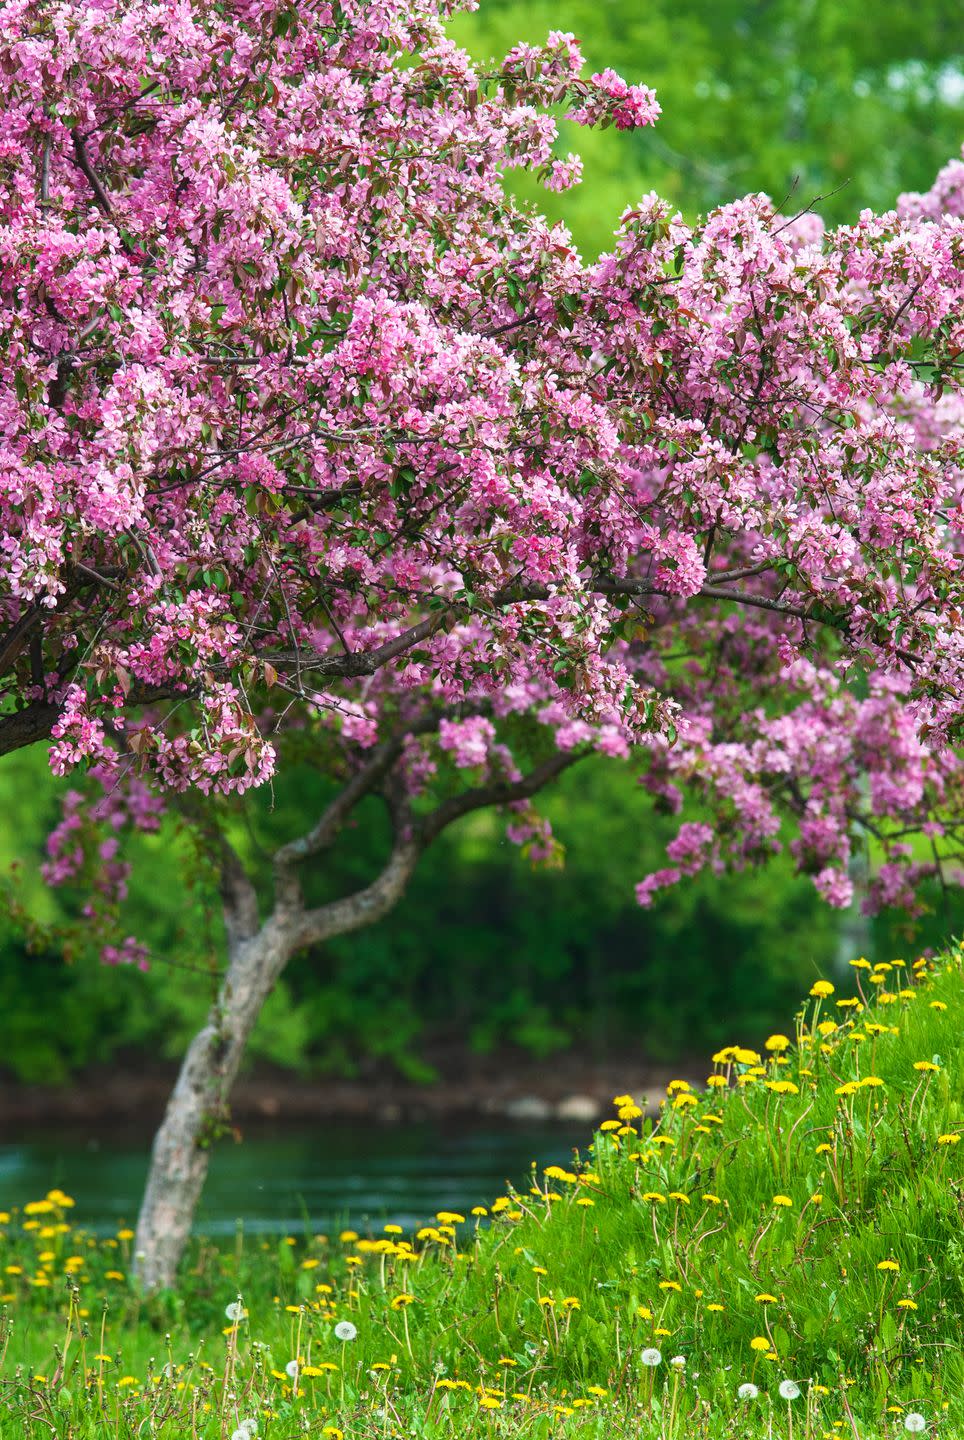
(789, 1389)
(651, 1357)
(345, 1330)
(748, 1391)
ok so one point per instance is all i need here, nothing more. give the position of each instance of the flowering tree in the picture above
(316, 447)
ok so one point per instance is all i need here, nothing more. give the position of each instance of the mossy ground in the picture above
(800, 1222)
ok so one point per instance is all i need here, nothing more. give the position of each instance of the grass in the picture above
(799, 1223)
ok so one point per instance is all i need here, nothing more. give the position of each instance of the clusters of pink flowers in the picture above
(634, 105)
(306, 427)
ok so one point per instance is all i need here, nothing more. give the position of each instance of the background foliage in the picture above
(800, 98)
(793, 97)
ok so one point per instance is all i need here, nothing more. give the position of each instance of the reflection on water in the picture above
(282, 1179)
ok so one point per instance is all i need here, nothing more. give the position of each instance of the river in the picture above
(283, 1179)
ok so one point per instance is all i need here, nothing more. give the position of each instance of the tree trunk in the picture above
(179, 1156)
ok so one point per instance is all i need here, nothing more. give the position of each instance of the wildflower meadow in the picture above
(776, 1254)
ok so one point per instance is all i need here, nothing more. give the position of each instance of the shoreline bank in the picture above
(566, 1089)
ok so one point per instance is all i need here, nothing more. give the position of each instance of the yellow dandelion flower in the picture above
(712, 1199)
(888, 1265)
(906, 1305)
(671, 1285)
(766, 1298)
(759, 1342)
(777, 1043)
(821, 989)
(925, 1065)
(948, 1139)
(783, 1200)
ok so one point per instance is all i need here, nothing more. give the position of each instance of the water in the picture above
(282, 1179)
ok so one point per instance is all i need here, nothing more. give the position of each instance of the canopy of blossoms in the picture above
(304, 426)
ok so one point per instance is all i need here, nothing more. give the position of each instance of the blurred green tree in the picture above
(799, 98)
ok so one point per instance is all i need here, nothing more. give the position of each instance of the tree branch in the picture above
(377, 899)
(93, 180)
(239, 899)
(323, 834)
(364, 907)
(25, 727)
(500, 792)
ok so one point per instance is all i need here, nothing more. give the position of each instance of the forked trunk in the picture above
(198, 1104)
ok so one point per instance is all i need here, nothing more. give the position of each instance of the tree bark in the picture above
(198, 1103)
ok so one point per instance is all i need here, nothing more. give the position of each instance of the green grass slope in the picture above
(779, 1254)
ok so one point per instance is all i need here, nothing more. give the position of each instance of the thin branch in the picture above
(93, 180)
(45, 171)
(364, 662)
(500, 792)
(362, 783)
